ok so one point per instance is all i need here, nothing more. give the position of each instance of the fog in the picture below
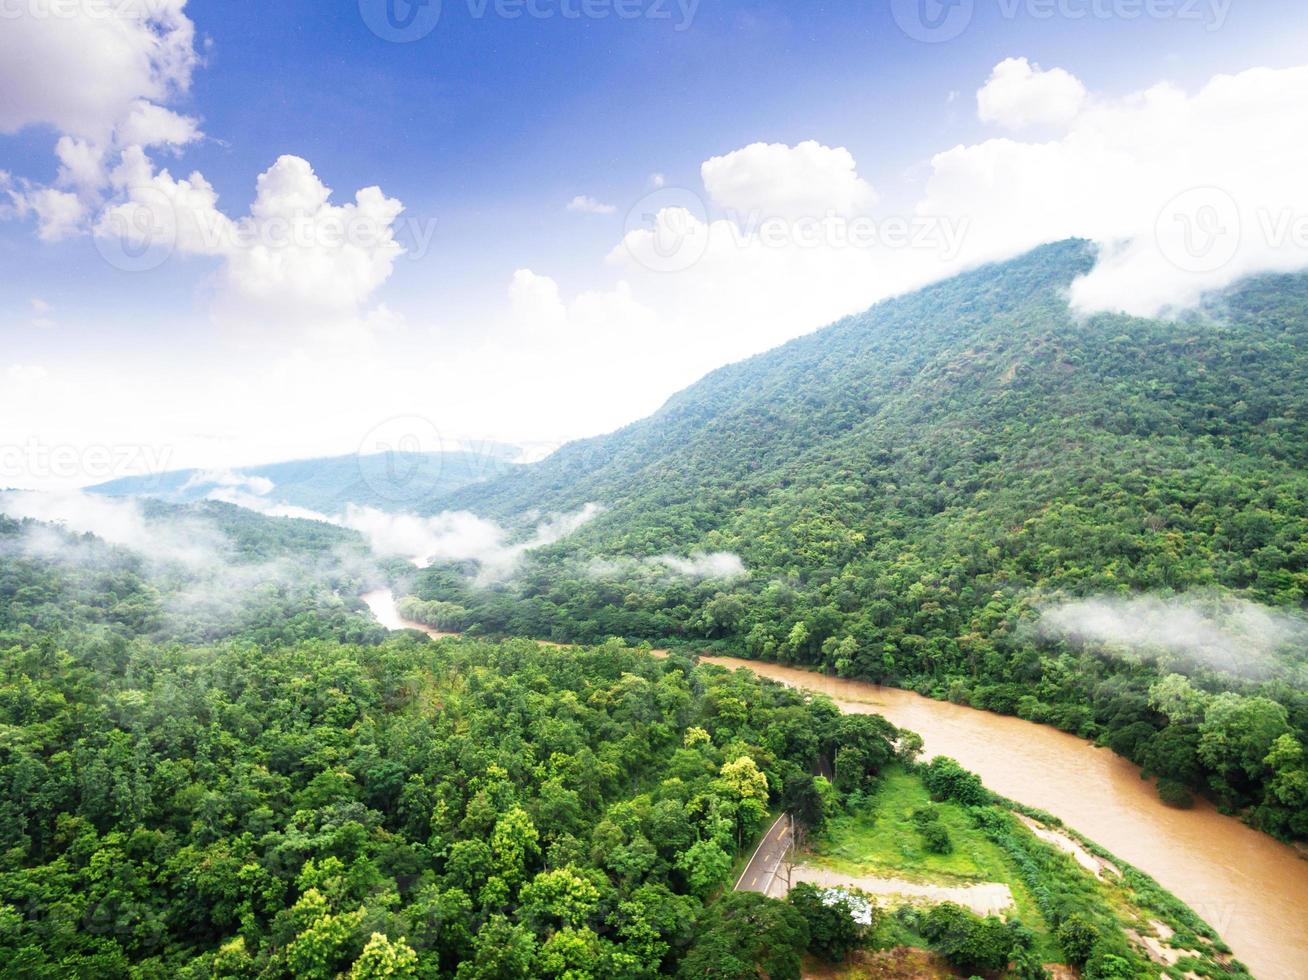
(700, 566)
(460, 536)
(1222, 633)
(205, 585)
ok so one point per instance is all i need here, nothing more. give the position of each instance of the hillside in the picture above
(909, 488)
(386, 481)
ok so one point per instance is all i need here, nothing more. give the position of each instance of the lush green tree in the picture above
(831, 917)
(947, 780)
(745, 935)
(383, 959)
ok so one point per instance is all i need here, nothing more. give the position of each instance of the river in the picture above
(1252, 889)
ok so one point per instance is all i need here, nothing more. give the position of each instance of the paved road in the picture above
(760, 875)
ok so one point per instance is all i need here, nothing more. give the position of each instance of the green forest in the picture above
(323, 799)
(910, 487)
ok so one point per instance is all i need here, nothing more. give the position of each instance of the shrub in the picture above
(936, 839)
(1175, 794)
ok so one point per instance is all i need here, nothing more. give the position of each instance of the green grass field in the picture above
(880, 839)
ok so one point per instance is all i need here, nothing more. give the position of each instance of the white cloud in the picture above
(1019, 94)
(1189, 193)
(586, 204)
(81, 165)
(773, 179)
(152, 125)
(59, 214)
(535, 300)
(296, 256)
(192, 543)
(83, 67)
(96, 72)
(25, 375)
(657, 180)
(716, 565)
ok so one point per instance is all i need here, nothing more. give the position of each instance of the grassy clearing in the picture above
(881, 839)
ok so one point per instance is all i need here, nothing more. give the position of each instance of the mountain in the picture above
(921, 495)
(391, 481)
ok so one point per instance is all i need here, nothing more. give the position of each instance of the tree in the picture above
(1077, 936)
(830, 914)
(967, 940)
(1176, 698)
(802, 799)
(514, 844)
(946, 780)
(1237, 735)
(326, 943)
(935, 838)
(742, 779)
(563, 896)
(705, 865)
(744, 936)
(502, 951)
(570, 953)
(382, 959)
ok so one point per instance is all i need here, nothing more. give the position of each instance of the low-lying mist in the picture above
(210, 570)
(700, 566)
(1222, 633)
(460, 536)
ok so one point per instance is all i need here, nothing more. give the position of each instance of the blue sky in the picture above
(485, 130)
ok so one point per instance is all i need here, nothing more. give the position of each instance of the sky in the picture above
(234, 233)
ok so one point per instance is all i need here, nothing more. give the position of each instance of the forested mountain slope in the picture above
(910, 487)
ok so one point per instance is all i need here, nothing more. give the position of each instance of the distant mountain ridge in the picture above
(390, 481)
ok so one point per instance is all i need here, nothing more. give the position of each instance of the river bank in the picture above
(1249, 887)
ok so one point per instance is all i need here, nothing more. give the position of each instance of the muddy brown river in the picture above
(1250, 888)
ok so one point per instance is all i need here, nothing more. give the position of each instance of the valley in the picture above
(1250, 888)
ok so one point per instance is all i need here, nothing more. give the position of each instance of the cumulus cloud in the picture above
(788, 181)
(148, 124)
(699, 566)
(460, 536)
(99, 74)
(1019, 94)
(586, 204)
(1232, 635)
(59, 214)
(1187, 193)
(295, 255)
(102, 75)
(85, 66)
